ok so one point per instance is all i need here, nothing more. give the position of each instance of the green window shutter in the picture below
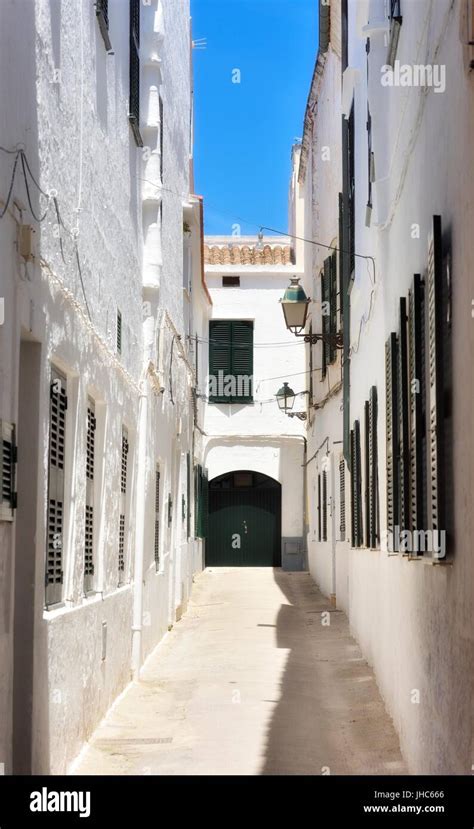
(242, 360)
(367, 472)
(8, 460)
(341, 260)
(416, 375)
(201, 500)
(188, 495)
(373, 516)
(356, 487)
(391, 432)
(403, 419)
(89, 518)
(57, 460)
(319, 507)
(436, 465)
(342, 498)
(205, 505)
(325, 505)
(220, 358)
(197, 499)
(157, 519)
(325, 314)
(333, 305)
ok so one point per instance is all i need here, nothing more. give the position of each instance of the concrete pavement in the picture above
(253, 680)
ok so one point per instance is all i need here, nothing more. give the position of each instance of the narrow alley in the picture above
(261, 676)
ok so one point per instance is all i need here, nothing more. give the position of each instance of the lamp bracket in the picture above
(336, 339)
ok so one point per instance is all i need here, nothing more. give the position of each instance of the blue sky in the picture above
(244, 131)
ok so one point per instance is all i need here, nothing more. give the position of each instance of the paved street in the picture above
(250, 682)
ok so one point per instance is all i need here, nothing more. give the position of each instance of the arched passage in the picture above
(244, 520)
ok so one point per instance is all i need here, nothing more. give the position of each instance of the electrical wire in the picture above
(12, 181)
(82, 283)
(255, 345)
(39, 219)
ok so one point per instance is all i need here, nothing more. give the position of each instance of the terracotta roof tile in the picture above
(247, 254)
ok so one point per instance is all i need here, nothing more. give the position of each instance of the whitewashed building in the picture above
(254, 452)
(318, 185)
(101, 243)
(405, 575)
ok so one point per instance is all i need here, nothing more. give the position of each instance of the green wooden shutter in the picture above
(416, 358)
(373, 470)
(197, 500)
(122, 551)
(437, 518)
(89, 518)
(220, 359)
(341, 260)
(57, 460)
(325, 505)
(242, 360)
(403, 419)
(357, 528)
(157, 519)
(391, 400)
(8, 460)
(188, 495)
(342, 498)
(319, 507)
(205, 505)
(333, 305)
(325, 313)
(356, 487)
(201, 496)
(367, 472)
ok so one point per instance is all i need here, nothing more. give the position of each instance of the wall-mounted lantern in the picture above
(295, 310)
(286, 400)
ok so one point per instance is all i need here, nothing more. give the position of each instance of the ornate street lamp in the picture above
(295, 306)
(286, 400)
(295, 310)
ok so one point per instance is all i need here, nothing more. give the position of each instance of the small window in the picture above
(231, 281)
(102, 12)
(8, 455)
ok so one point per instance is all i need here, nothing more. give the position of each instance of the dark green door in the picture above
(244, 521)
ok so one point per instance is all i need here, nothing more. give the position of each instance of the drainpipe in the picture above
(139, 532)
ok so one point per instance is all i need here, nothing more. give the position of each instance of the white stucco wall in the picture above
(68, 105)
(413, 619)
(317, 186)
